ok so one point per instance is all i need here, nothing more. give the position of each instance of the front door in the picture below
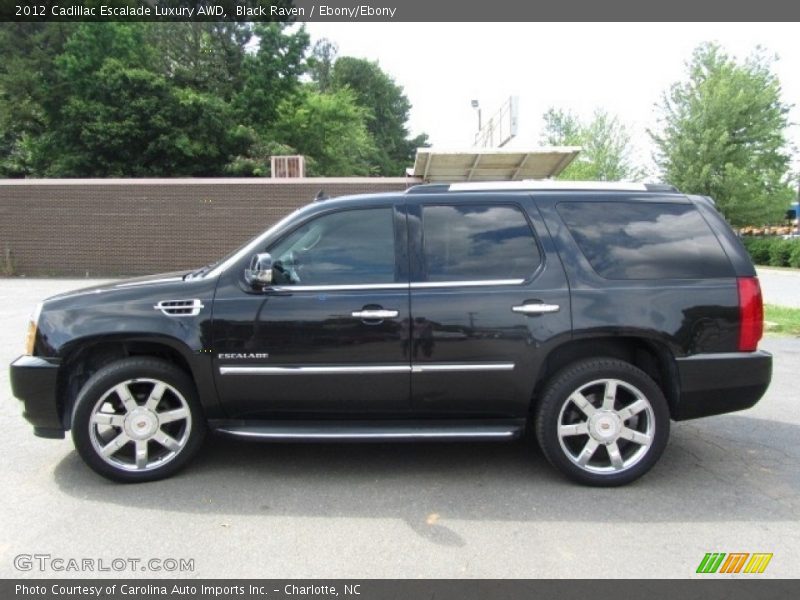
(331, 335)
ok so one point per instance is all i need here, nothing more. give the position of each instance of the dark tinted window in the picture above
(627, 240)
(477, 243)
(349, 247)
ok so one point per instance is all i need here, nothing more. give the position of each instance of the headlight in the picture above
(33, 325)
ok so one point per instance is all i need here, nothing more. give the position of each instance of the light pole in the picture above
(476, 105)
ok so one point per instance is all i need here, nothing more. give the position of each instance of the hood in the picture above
(136, 282)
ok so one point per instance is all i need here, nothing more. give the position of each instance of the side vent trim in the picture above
(180, 308)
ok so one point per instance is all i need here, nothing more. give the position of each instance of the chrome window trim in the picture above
(339, 288)
(252, 246)
(362, 369)
(466, 283)
(415, 285)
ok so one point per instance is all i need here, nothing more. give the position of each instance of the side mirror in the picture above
(260, 271)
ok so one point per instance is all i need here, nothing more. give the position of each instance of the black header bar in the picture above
(365, 11)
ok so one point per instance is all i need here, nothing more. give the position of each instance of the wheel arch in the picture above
(85, 357)
(649, 355)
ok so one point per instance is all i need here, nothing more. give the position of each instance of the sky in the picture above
(621, 67)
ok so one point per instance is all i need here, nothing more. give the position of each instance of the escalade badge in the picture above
(242, 355)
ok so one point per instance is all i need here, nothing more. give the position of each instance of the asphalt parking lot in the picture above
(725, 484)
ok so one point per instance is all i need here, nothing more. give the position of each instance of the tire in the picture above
(602, 422)
(138, 419)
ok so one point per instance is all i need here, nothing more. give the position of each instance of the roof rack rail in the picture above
(660, 187)
(428, 188)
(541, 184)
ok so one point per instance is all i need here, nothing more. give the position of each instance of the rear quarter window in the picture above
(638, 240)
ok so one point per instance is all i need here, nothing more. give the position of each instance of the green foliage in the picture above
(271, 74)
(779, 253)
(190, 99)
(387, 112)
(118, 116)
(255, 161)
(605, 142)
(758, 248)
(206, 57)
(723, 134)
(27, 82)
(331, 128)
(794, 255)
(773, 251)
(783, 319)
(320, 64)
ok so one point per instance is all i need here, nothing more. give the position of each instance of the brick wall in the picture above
(131, 227)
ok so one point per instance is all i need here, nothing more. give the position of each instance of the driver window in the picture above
(347, 247)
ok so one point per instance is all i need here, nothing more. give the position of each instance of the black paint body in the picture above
(689, 327)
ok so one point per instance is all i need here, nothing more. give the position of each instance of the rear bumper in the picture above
(33, 381)
(712, 384)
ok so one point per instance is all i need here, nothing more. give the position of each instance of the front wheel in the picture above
(602, 422)
(137, 419)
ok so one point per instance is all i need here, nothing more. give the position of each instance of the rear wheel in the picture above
(602, 422)
(137, 419)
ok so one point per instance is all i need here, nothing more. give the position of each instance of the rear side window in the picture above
(637, 240)
(477, 243)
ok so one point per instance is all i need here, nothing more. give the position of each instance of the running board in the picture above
(371, 431)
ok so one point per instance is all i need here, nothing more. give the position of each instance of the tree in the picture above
(320, 64)
(723, 134)
(605, 143)
(271, 74)
(137, 124)
(115, 115)
(204, 56)
(197, 98)
(561, 128)
(329, 128)
(387, 115)
(27, 82)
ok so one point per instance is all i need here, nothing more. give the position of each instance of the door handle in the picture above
(374, 314)
(535, 308)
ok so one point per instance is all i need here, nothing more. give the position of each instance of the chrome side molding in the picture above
(361, 369)
(454, 367)
(312, 370)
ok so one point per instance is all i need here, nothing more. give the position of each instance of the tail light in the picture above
(751, 313)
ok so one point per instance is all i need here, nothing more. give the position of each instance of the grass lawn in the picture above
(787, 320)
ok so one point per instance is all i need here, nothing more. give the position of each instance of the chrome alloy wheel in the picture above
(140, 424)
(606, 426)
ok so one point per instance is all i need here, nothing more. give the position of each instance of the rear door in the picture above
(489, 298)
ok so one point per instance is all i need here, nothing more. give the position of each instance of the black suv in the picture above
(594, 313)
